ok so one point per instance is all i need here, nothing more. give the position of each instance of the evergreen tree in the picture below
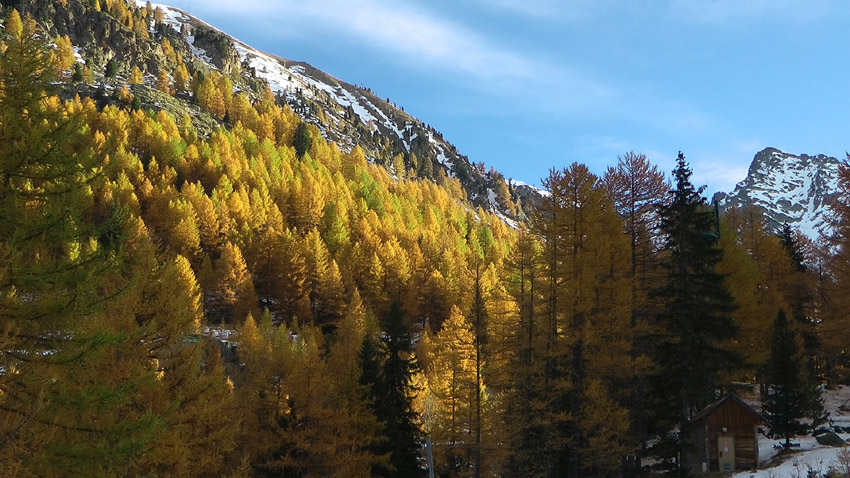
(697, 315)
(78, 73)
(790, 396)
(792, 247)
(303, 139)
(391, 390)
(111, 69)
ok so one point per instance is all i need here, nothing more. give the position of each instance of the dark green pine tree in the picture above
(800, 298)
(697, 314)
(388, 374)
(303, 140)
(792, 247)
(790, 396)
(371, 360)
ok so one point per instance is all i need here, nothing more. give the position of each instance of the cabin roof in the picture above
(711, 409)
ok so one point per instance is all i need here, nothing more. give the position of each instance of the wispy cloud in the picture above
(535, 8)
(420, 39)
(726, 165)
(735, 12)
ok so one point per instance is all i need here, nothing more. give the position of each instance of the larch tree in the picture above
(525, 400)
(85, 398)
(584, 337)
(836, 322)
(65, 58)
(452, 397)
(181, 78)
(136, 77)
(233, 296)
(637, 189)
(87, 75)
(14, 26)
(746, 282)
(163, 82)
(51, 262)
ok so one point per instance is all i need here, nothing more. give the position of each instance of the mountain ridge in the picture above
(344, 113)
(789, 188)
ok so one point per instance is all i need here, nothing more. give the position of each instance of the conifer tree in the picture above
(398, 166)
(697, 316)
(75, 353)
(638, 189)
(799, 292)
(525, 408)
(791, 397)
(233, 296)
(87, 75)
(303, 139)
(753, 296)
(136, 77)
(452, 385)
(181, 77)
(792, 247)
(836, 282)
(391, 388)
(14, 26)
(110, 69)
(64, 53)
(163, 83)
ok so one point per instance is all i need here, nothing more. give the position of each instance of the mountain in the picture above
(344, 113)
(789, 188)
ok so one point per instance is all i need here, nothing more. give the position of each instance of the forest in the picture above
(255, 302)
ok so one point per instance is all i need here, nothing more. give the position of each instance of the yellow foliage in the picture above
(136, 77)
(14, 25)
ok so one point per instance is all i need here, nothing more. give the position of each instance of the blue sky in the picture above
(528, 85)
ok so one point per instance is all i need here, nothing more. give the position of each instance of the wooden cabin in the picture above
(723, 437)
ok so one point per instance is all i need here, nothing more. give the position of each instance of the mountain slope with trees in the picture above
(164, 46)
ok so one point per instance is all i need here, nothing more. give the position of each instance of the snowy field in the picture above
(810, 459)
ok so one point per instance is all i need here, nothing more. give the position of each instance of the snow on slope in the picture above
(810, 455)
(790, 188)
(283, 76)
(308, 90)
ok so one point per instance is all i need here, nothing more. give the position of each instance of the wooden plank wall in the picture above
(741, 424)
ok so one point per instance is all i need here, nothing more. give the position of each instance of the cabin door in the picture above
(726, 453)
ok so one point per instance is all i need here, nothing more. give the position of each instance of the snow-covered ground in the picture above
(810, 459)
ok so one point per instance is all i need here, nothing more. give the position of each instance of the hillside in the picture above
(345, 114)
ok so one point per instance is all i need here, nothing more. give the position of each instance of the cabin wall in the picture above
(740, 422)
(746, 448)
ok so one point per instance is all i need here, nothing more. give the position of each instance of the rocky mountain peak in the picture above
(789, 188)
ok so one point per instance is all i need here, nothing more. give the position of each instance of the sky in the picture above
(528, 85)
